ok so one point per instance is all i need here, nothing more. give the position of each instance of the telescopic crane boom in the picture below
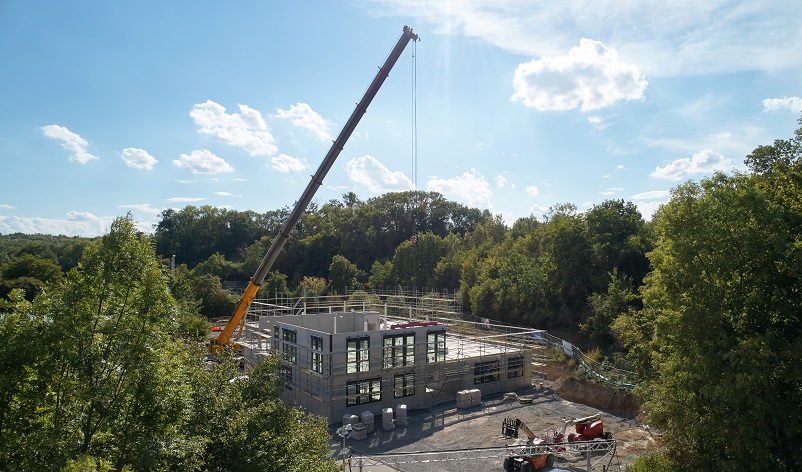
(237, 319)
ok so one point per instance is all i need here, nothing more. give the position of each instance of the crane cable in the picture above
(414, 117)
(416, 196)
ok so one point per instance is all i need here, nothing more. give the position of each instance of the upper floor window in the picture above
(316, 360)
(399, 350)
(358, 355)
(289, 352)
(435, 346)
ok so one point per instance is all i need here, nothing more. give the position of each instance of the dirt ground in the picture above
(446, 428)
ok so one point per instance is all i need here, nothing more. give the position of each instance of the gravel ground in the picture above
(446, 428)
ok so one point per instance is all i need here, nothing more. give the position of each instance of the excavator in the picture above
(237, 321)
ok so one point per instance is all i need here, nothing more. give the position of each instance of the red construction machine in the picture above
(535, 454)
(587, 429)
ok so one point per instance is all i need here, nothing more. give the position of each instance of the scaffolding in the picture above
(480, 354)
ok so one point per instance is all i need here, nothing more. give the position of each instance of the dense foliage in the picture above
(719, 339)
(103, 371)
(703, 301)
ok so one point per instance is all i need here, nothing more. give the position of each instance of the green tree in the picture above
(218, 266)
(97, 376)
(607, 307)
(343, 275)
(30, 273)
(724, 300)
(275, 284)
(617, 236)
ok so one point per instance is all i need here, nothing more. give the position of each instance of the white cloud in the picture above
(619, 166)
(142, 207)
(532, 190)
(506, 216)
(610, 191)
(185, 199)
(285, 164)
(647, 209)
(302, 115)
(501, 181)
(69, 141)
(791, 103)
(538, 211)
(138, 158)
(651, 195)
(590, 76)
(4, 206)
(246, 130)
(371, 173)
(702, 162)
(471, 187)
(201, 161)
(81, 224)
(664, 38)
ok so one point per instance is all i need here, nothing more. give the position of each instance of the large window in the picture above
(515, 367)
(399, 350)
(359, 392)
(484, 372)
(358, 355)
(289, 352)
(404, 385)
(435, 346)
(316, 362)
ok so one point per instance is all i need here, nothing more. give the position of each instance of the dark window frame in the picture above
(363, 391)
(400, 352)
(358, 354)
(486, 371)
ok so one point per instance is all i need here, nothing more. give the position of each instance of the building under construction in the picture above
(345, 355)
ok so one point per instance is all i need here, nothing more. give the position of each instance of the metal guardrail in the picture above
(559, 449)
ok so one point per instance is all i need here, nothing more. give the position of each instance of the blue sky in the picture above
(513, 106)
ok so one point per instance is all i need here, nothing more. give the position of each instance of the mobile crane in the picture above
(237, 320)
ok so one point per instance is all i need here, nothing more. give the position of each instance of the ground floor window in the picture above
(359, 392)
(285, 374)
(484, 372)
(515, 367)
(404, 385)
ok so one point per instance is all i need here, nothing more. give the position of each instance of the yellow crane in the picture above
(237, 320)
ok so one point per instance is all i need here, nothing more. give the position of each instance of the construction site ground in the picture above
(446, 428)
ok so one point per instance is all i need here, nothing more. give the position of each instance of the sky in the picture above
(513, 106)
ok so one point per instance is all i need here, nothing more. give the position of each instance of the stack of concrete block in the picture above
(401, 415)
(350, 419)
(476, 397)
(464, 399)
(469, 398)
(387, 419)
(368, 421)
(359, 431)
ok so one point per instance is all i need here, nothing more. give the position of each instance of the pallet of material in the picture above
(388, 423)
(401, 415)
(368, 420)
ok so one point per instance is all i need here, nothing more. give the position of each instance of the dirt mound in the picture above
(596, 395)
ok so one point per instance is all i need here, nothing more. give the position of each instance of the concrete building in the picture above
(339, 359)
